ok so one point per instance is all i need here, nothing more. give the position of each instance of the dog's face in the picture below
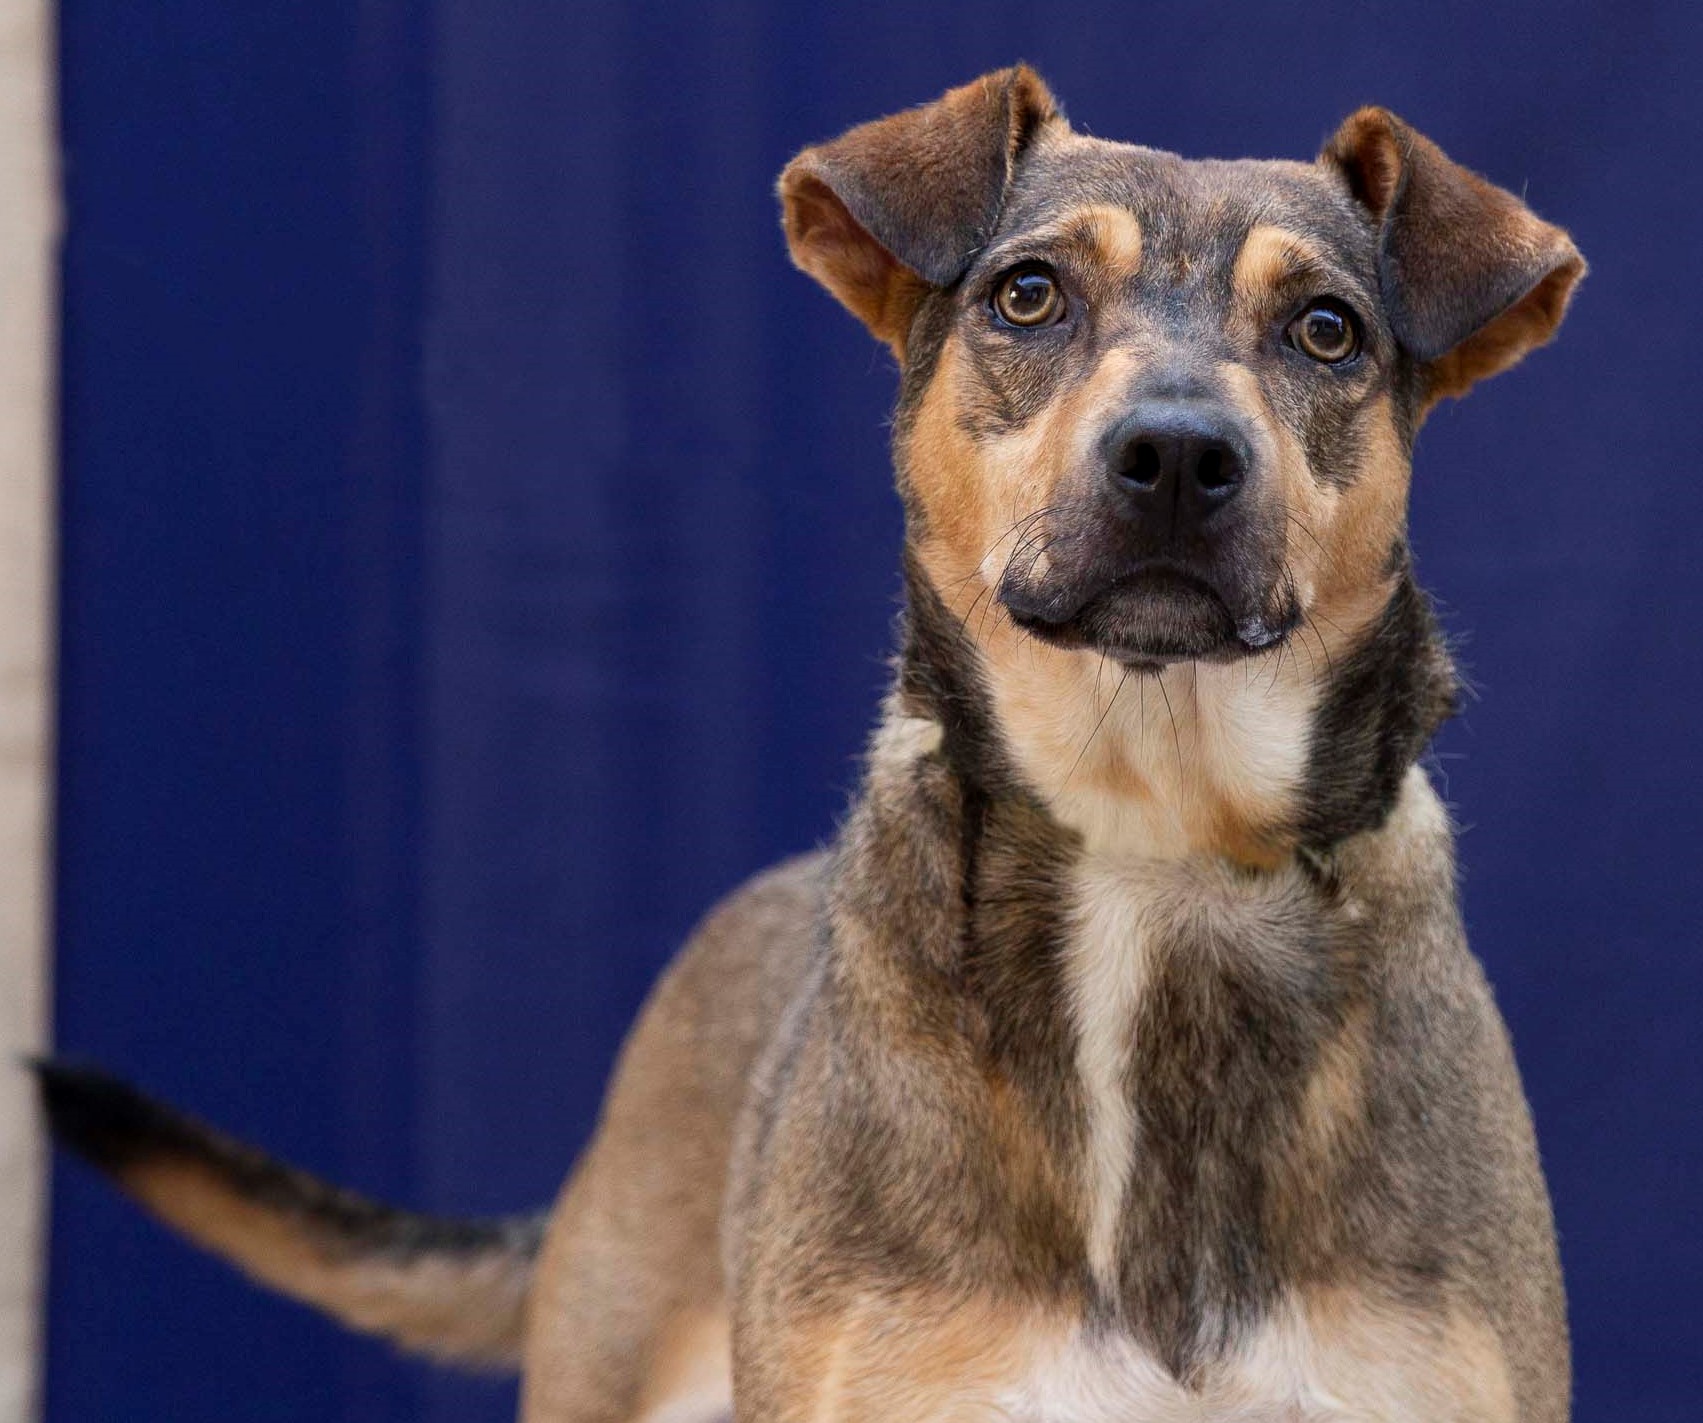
(1156, 409)
(1159, 382)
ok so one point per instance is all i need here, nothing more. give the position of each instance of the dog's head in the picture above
(1162, 409)
(1159, 414)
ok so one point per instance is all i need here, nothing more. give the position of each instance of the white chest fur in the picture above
(1334, 1360)
(1319, 1358)
(1083, 1380)
(1106, 968)
(1125, 912)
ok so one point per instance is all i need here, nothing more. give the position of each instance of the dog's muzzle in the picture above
(1170, 551)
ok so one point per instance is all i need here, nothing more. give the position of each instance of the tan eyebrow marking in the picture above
(1113, 232)
(1098, 234)
(1270, 256)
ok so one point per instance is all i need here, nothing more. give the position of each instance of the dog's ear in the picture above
(895, 207)
(1472, 279)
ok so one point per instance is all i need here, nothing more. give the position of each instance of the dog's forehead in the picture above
(1202, 207)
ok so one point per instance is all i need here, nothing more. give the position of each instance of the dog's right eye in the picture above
(1326, 332)
(1028, 296)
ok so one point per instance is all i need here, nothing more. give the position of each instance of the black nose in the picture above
(1178, 459)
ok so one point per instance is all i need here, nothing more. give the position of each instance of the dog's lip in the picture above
(1156, 577)
(1091, 621)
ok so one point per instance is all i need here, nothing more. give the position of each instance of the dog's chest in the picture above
(1364, 1363)
(1112, 1380)
(1200, 1001)
(1114, 927)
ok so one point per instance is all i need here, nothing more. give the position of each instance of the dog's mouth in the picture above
(1150, 617)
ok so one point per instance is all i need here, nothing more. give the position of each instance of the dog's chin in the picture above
(1156, 618)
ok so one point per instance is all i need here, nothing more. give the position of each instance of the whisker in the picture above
(1324, 647)
(1038, 542)
(1176, 738)
(1312, 662)
(995, 607)
(1016, 524)
(1328, 623)
(1276, 667)
(1096, 731)
(964, 622)
(1301, 524)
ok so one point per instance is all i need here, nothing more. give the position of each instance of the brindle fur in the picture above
(851, 1140)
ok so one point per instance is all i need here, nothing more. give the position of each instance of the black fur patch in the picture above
(939, 676)
(1381, 707)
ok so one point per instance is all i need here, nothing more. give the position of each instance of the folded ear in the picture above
(1472, 279)
(901, 205)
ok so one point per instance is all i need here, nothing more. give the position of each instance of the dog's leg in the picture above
(626, 1313)
(627, 1319)
(919, 1357)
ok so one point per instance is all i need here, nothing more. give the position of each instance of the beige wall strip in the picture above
(29, 224)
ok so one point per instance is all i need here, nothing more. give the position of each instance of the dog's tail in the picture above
(452, 1289)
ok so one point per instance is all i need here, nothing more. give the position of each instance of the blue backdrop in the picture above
(479, 553)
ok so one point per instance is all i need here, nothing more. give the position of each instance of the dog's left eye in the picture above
(1028, 296)
(1326, 331)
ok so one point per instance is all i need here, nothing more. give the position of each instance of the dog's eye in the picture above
(1326, 332)
(1028, 296)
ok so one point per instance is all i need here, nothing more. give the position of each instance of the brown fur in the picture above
(952, 156)
(633, 1252)
(453, 1289)
(427, 1300)
(1450, 233)
(1124, 1058)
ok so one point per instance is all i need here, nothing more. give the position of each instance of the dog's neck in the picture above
(1249, 761)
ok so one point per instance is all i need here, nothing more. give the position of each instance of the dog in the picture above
(1123, 1057)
